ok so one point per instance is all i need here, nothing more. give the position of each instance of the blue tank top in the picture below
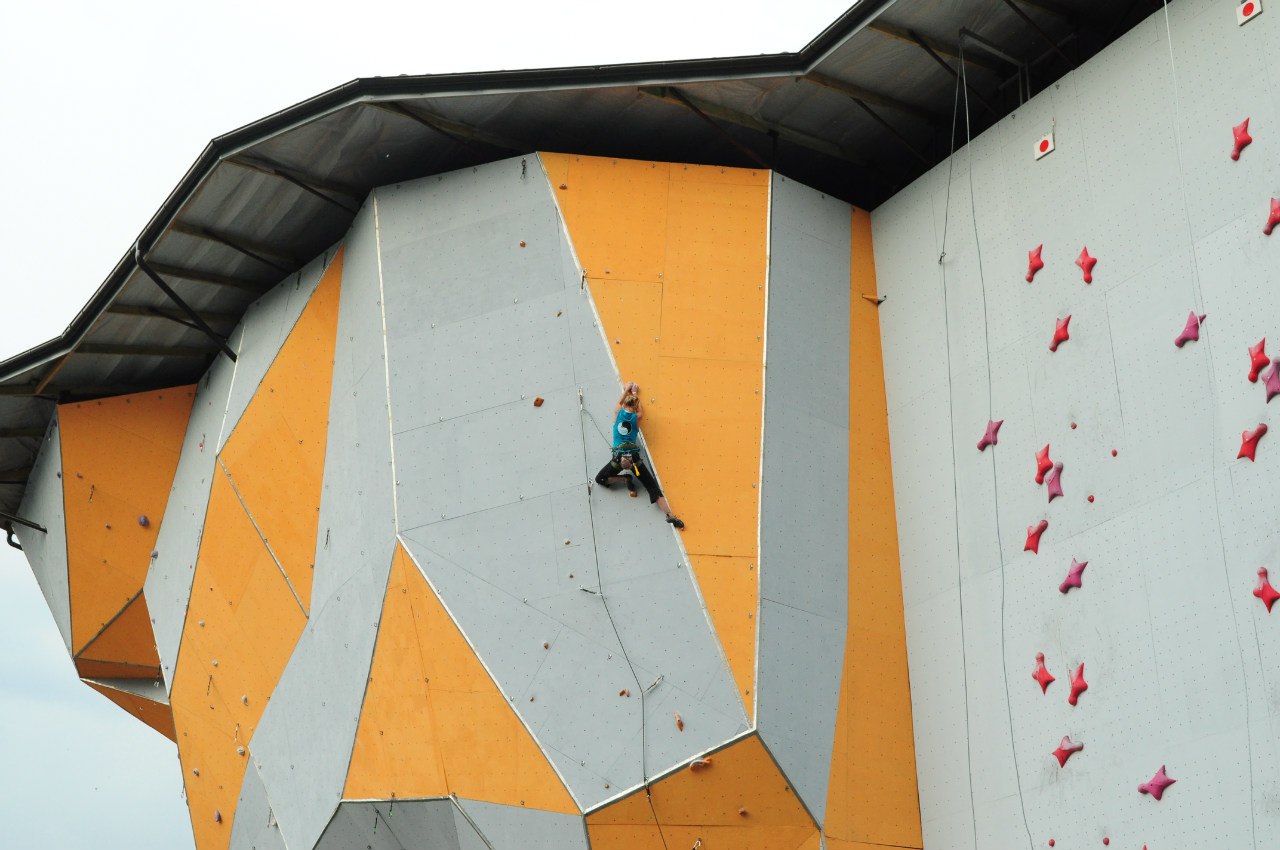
(626, 430)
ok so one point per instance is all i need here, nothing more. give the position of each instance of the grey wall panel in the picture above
(303, 744)
(516, 828)
(434, 824)
(168, 584)
(47, 552)
(255, 827)
(804, 505)
(364, 825)
(357, 516)
(1173, 642)
(263, 330)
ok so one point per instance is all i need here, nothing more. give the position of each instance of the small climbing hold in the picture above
(679, 721)
(1051, 842)
(1157, 785)
(1191, 332)
(1034, 262)
(989, 438)
(244, 699)
(1042, 674)
(1264, 590)
(215, 662)
(700, 764)
(1066, 750)
(1053, 482)
(1114, 452)
(617, 342)
(564, 186)
(742, 811)
(625, 692)
(1033, 536)
(108, 526)
(200, 623)
(1078, 685)
(1074, 576)
(566, 541)
(1091, 498)
(1060, 333)
(1086, 264)
(195, 771)
(1273, 218)
(1249, 441)
(546, 645)
(1257, 359)
(530, 699)
(155, 553)
(1106, 841)
(239, 751)
(143, 521)
(217, 816)
(1073, 426)
(521, 243)
(1240, 134)
(537, 402)
(1043, 464)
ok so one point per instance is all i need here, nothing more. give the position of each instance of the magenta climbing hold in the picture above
(1043, 464)
(1271, 380)
(1078, 685)
(1249, 442)
(1042, 674)
(1273, 218)
(989, 438)
(1157, 785)
(1190, 333)
(1034, 262)
(1074, 576)
(1240, 134)
(1086, 264)
(1033, 536)
(1053, 482)
(1257, 359)
(1264, 590)
(1066, 750)
(1060, 333)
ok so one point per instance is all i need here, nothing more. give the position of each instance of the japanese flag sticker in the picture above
(1044, 146)
(1247, 11)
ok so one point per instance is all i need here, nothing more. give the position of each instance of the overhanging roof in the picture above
(859, 112)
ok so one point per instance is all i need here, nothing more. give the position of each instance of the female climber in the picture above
(627, 463)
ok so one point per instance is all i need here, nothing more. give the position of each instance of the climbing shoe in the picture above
(676, 521)
(631, 487)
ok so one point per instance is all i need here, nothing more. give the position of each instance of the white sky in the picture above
(105, 107)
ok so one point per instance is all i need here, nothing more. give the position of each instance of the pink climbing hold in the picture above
(1086, 264)
(1240, 133)
(1273, 218)
(1258, 359)
(1249, 442)
(989, 438)
(1271, 380)
(1264, 590)
(1074, 576)
(1042, 674)
(1033, 537)
(1034, 262)
(1157, 785)
(1078, 685)
(1043, 464)
(1190, 333)
(1060, 333)
(1053, 482)
(1066, 750)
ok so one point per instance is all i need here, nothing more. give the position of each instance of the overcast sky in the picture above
(105, 107)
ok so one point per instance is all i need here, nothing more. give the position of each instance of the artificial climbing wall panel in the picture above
(1171, 522)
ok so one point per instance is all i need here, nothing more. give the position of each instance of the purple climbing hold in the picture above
(1053, 482)
(1271, 380)
(989, 438)
(143, 521)
(1191, 333)
(1157, 785)
(1074, 576)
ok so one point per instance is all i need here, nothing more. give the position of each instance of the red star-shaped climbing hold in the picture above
(1273, 218)
(1034, 263)
(1066, 750)
(1060, 333)
(1190, 333)
(1043, 464)
(1033, 536)
(989, 438)
(1158, 783)
(1074, 576)
(1042, 674)
(1264, 590)
(1240, 133)
(1249, 442)
(1078, 685)
(1086, 264)
(1257, 359)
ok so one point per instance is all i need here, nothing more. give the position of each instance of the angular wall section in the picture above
(47, 551)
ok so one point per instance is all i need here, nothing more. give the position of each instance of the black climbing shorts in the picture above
(614, 468)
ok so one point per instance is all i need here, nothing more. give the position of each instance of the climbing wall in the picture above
(1079, 452)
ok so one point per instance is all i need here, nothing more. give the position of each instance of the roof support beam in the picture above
(1053, 8)
(207, 277)
(262, 253)
(139, 257)
(906, 143)
(463, 134)
(946, 66)
(17, 475)
(1031, 23)
(673, 96)
(171, 315)
(938, 47)
(12, 518)
(305, 184)
(873, 98)
(16, 433)
(136, 350)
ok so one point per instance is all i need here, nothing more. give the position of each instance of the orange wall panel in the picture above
(872, 797)
(127, 639)
(675, 257)
(118, 459)
(433, 721)
(154, 714)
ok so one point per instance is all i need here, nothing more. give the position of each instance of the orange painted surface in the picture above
(87, 669)
(434, 723)
(241, 627)
(676, 261)
(127, 639)
(872, 797)
(275, 455)
(155, 714)
(118, 459)
(706, 804)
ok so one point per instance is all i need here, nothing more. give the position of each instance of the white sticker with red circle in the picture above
(1044, 146)
(1247, 11)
